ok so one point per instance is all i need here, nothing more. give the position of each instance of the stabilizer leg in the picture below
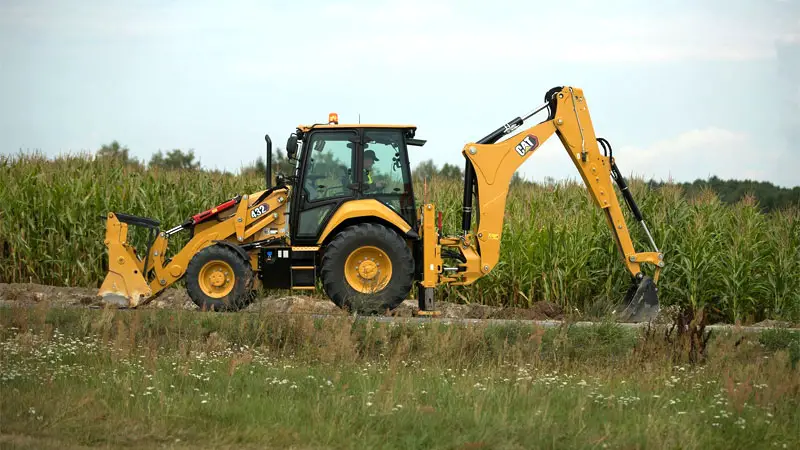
(427, 304)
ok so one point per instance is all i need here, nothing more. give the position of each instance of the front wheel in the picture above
(367, 268)
(219, 279)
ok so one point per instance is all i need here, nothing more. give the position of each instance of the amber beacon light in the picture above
(333, 118)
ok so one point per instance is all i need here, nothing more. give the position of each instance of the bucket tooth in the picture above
(641, 302)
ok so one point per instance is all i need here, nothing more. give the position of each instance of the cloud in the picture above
(434, 35)
(298, 57)
(442, 35)
(101, 19)
(687, 156)
(700, 153)
(437, 39)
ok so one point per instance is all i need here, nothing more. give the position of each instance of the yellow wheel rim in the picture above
(368, 269)
(216, 279)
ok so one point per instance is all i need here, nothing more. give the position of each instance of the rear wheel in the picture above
(367, 268)
(219, 279)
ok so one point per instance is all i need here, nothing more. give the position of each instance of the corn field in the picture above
(737, 263)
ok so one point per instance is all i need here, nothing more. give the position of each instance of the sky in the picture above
(681, 89)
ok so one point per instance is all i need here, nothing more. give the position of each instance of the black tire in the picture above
(352, 238)
(240, 293)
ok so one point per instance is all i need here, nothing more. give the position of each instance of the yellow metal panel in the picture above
(576, 133)
(495, 164)
(431, 250)
(363, 208)
(473, 268)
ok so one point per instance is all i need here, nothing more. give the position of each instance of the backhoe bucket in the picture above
(641, 302)
(124, 285)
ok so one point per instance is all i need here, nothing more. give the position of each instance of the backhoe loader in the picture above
(347, 218)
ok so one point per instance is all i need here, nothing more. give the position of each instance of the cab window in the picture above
(383, 163)
(385, 174)
(329, 172)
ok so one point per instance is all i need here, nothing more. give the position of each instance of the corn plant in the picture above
(732, 260)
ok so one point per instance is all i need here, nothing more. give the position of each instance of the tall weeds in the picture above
(731, 260)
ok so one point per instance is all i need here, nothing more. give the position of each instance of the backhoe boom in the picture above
(490, 167)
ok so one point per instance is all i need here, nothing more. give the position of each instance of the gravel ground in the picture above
(176, 298)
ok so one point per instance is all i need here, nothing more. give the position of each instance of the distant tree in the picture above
(175, 159)
(260, 165)
(280, 164)
(517, 179)
(451, 172)
(424, 170)
(116, 151)
(768, 196)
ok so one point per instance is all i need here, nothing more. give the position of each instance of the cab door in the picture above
(328, 178)
(385, 171)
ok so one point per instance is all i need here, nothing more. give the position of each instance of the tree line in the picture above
(173, 159)
(769, 196)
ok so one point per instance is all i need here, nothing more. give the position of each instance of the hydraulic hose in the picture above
(626, 193)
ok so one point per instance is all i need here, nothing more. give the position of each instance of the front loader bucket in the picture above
(641, 302)
(124, 285)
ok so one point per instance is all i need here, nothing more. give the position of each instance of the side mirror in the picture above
(291, 146)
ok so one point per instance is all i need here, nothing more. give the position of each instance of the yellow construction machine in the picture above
(347, 217)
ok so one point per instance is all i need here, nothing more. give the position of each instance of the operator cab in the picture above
(339, 163)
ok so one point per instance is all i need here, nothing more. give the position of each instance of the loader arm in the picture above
(132, 280)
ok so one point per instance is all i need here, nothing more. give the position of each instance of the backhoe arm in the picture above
(489, 169)
(495, 164)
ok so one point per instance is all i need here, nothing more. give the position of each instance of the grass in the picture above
(736, 263)
(182, 379)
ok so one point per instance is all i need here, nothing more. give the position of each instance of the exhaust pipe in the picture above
(269, 161)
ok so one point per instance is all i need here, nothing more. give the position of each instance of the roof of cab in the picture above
(305, 128)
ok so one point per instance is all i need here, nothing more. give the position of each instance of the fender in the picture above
(233, 246)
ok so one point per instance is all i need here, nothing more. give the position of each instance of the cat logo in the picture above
(528, 144)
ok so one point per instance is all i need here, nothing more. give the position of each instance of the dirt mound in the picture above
(539, 311)
(768, 323)
(29, 293)
(295, 304)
